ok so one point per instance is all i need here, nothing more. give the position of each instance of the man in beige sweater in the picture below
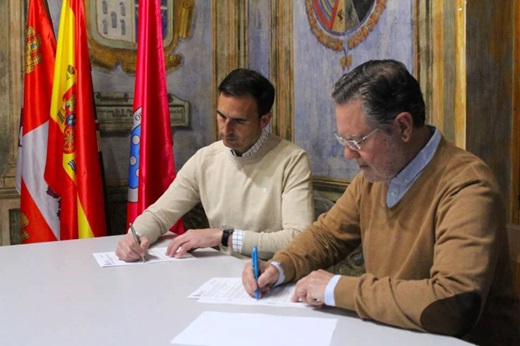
(255, 187)
(428, 214)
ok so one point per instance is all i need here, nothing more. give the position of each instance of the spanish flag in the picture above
(38, 203)
(74, 169)
(152, 167)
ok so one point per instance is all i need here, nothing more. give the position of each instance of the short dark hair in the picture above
(244, 82)
(386, 89)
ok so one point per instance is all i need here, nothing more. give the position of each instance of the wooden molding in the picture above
(422, 50)
(514, 253)
(330, 188)
(460, 74)
(282, 74)
(11, 101)
(515, 150)
(437, 65)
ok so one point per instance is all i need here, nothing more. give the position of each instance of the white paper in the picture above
(154, 255)
(213, 328)
(231, 291)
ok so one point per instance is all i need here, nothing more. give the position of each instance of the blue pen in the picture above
(254, 258)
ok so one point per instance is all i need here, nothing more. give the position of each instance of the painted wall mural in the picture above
(383, 29)
(335, 37)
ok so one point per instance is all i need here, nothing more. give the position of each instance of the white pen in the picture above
(136, 238)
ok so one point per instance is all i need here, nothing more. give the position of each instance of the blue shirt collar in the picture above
(400, 184)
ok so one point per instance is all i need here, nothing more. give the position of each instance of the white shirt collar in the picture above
(254, 149)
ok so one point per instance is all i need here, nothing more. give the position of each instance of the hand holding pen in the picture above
(132, 246)
(137, 239)
(260, 282)
(254, 259)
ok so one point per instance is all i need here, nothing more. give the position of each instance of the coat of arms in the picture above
(112, 31)
(336, 22)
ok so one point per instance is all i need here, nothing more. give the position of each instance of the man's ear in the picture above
(404, 123)
(264, 119)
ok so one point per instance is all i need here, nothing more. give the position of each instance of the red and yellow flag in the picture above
(73, 162)
(152, 168)
(38, 203)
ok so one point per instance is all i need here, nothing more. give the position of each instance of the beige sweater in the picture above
(268, 194)
(437, 261)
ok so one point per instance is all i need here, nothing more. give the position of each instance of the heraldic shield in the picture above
(341, 25)
(112, 31)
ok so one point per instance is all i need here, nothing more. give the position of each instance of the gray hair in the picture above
(386, 88)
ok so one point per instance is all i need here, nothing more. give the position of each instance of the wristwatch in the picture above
(226, 233)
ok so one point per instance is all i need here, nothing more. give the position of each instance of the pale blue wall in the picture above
(259, 34)
(193, 81)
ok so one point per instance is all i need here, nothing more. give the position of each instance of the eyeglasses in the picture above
(354, 144)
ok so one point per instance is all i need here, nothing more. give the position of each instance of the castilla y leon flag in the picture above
(38, 203)
(74, 167)
(152, 167)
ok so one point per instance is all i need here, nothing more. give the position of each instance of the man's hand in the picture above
(269, 274)
(194, 239)
(128, 250)
(311, 288)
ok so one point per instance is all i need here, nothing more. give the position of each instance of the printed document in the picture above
(231, 291)
(214, 328)
(154, 255)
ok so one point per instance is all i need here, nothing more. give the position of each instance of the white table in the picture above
(56, 294)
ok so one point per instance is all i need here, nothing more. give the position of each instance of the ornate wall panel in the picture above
(465, 54)
(11, 72)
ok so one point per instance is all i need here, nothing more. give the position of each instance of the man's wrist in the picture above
(329, 291)
(281, 274)
(227, 232)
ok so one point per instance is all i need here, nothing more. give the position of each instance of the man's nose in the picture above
(350, 154)
(228, 126)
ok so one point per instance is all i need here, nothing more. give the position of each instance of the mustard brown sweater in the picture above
(267, 194)
(437, 261)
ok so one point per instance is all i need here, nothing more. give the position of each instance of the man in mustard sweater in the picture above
(428, 214)
(255, 187)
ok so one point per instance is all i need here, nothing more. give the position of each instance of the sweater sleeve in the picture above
(297, 209)
(180, 197)
(326, 242)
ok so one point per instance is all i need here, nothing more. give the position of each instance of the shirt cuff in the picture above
(237, 240)
(281, 278)
(329, 291)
